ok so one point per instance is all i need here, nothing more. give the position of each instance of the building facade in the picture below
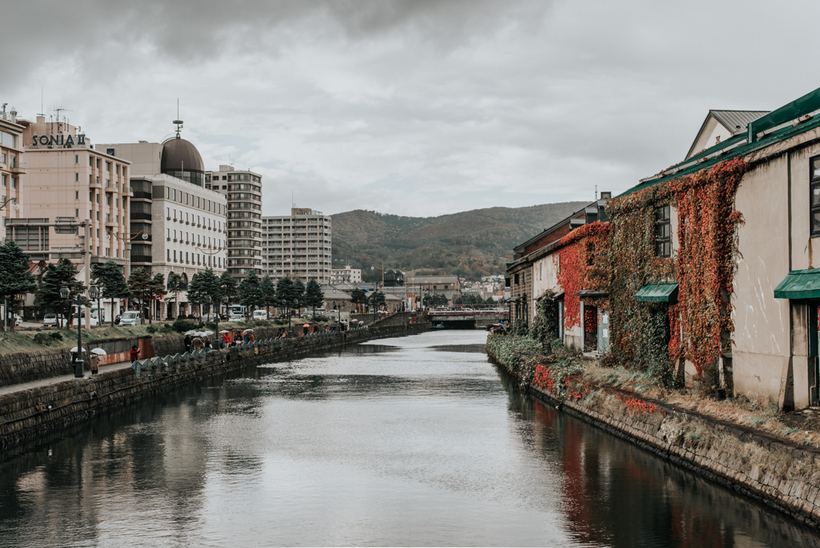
(345, 275)
(67, 183)
(177, 225)
(243, 190)
(298, 246)
(11, 166)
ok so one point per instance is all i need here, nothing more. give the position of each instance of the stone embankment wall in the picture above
(28, 415)
(782, 476)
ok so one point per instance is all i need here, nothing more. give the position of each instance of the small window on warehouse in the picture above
(815, 196)
(663, 232)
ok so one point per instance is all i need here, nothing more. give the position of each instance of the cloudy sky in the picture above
(413, 107)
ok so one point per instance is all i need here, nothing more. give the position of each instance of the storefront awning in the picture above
(666, 292)
(799, 284)
(592, 294)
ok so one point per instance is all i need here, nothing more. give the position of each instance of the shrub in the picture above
(181, 326)
(151, 329)
(56, 335)
(41, 338)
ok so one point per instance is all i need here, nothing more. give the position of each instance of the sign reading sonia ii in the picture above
(58, 140)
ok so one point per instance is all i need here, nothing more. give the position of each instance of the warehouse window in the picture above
(815, 196)
(663, 232)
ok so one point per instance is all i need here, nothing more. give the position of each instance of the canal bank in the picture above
(34, 413)
(779, 474)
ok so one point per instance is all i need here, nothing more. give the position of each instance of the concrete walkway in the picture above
(62, 378)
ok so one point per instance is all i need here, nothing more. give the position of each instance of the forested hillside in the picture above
(469, 244)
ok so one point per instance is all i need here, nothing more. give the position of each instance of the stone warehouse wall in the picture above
(29, 415)
(780, 475)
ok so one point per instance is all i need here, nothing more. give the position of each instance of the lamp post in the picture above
(65, 293)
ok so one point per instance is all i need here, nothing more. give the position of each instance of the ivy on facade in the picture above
(582, 266)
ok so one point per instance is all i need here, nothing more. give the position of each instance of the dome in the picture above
(179, 155)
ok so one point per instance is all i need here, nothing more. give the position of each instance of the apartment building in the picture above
(243, 190)
(11, 165)
(298, 246)
(69, 182)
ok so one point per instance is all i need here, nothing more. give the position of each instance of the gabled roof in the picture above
(732, 122)
(799, 116)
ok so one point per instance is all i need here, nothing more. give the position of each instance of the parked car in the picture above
(52, 319)
(236, 318)
(131, 317)
(94, 321)
(260, 314)
(210, 318)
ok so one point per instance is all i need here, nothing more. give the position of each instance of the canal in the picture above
(406, 441)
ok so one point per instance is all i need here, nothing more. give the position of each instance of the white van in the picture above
(260, 314)
(131, 317)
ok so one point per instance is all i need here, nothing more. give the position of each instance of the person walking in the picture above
(135, 353)
(187, 342)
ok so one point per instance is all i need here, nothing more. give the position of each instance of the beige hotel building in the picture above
(68, 182)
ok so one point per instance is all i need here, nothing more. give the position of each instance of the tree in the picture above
(157, 291)
(268, 292)
(108, 277)
(175, 286)
(284, 293)
(205, 284)
(15, 279)
(314, 296)
(377, 300)
(228, 285)
(298, 294)
(56, 276)
(250, 291)
(140, 285)
(358, 297)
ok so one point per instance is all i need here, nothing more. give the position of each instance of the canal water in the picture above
(406, 441)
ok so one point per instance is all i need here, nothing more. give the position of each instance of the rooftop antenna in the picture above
(42, 108)
(178, 122)
(596, 193)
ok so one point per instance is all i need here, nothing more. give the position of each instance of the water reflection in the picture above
(413, 441)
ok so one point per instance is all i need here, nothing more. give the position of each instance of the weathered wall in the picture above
(782, 476)
(27, 415)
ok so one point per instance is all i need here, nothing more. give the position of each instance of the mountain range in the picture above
(470, 244)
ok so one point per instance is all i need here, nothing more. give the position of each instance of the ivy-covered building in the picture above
(714, 263)
(535, 274)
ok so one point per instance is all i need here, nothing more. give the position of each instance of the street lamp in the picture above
(78, 362)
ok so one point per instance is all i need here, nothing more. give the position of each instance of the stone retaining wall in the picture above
(780, 475)
(32, 414)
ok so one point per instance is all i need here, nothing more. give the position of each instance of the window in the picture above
(663, 232)
(76, 159)
(815, 196)
(76, 177)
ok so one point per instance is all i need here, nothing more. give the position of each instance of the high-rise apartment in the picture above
(243, 190)
(298, 246)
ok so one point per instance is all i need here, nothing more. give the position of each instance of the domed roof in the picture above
(178, 155)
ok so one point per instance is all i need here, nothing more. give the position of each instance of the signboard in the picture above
(61, 140)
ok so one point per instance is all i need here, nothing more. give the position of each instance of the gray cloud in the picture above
(413, 107)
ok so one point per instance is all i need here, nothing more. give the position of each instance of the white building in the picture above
(298, 246)
(345, 275)
(177, 225)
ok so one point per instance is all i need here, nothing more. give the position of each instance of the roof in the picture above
(734, 121)
(791, 119)
(180, 155)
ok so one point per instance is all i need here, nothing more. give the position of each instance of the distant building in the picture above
(345, 275)
(298, 246)
(243, 190)
(449, 286)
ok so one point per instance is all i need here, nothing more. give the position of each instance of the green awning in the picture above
(799, 284)
(666, 292)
